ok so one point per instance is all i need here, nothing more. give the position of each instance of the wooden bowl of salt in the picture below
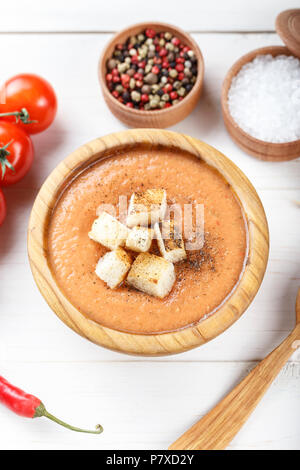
(265, 142)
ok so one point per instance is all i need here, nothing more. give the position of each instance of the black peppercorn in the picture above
(126, 96)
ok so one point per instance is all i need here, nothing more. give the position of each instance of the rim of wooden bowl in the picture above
(158, 343)
(161, 113)
(247, 142)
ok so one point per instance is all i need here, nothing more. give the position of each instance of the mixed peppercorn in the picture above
(151, 71)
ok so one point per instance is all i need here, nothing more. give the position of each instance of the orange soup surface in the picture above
(203, 281)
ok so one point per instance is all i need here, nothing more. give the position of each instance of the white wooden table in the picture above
(142, 403)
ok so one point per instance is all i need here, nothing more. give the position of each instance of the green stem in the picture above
(41, 411)
(4, 162)
(22, 116)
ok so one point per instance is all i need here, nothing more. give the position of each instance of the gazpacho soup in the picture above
(147, 240)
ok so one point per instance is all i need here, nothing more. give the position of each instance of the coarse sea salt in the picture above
(264, 98)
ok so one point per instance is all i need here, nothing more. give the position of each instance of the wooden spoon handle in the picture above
(216, 429)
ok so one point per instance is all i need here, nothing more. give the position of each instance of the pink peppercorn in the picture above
(167, 88)
(129, 104)
(115, 94)
(109, 77)
(176, 41)
(116, 79)
(167, 105)
(157, 60)
(144, 98)
(180, 76)
(173, 95)
(163, 52)
(155, 69)
(179, 67)
(125, 79)
(150, 33)
(138, 76)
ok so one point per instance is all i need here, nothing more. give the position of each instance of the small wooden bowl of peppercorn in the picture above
(151, 75)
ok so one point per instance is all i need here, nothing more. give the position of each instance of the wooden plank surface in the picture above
(39, 353)
(95, 15)
(82, 116)
(157, 403)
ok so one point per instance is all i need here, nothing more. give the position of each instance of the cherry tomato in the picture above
(36, 96)
(2, 208)
(16, 153)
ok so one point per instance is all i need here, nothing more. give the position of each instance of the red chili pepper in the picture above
(30, 406)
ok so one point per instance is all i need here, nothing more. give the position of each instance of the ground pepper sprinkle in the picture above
(151, 71)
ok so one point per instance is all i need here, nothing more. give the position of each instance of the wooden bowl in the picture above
(151, 344)
(256, 147)
(157, 118)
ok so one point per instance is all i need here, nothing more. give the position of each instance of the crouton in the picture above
(152, 274)
(109, 231)
(139, 239)
(170, 242)
(113, 267)
(147, 207)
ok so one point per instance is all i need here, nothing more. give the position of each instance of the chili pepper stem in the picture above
(41, 411)
(22, 116)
